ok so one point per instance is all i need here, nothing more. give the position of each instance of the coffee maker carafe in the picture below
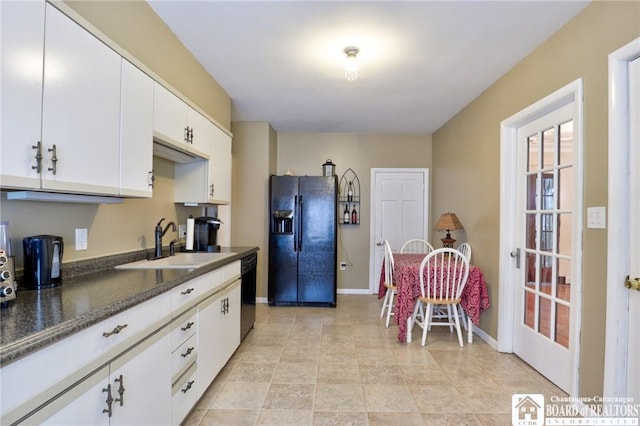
(206, 234)
(42, 261)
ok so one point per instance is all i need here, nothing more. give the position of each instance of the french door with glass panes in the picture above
(545, 198)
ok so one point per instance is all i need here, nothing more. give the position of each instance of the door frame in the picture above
(572, 92)
(373, 283)
(617, 320)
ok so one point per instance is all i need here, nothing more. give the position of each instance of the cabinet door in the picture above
(81, 109)
(220, 167)
(22, 38)
(201, 132)
(84, 404)
(169, 117)
(136, 132)
(232, 321)
(210, 314)
(144, 375)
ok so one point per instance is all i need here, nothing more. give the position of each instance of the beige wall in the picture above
(466, 155)
(128, 226)
(304, 154)
(254, 160)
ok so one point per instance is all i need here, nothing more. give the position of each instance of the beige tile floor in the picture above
(341, 366)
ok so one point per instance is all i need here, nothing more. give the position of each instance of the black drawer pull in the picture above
(188, 352)
(116, 330)
(188, 326)
(187, 291)
(189, 384)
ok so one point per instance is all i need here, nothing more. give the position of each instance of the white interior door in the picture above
(633, 330)
(546, 197)
(399, 212)
(622, 345)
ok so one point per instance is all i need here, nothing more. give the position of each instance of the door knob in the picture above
(632, 283)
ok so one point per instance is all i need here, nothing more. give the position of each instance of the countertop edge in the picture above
(22, 347)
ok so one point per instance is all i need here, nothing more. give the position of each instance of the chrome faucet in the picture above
(159, 233)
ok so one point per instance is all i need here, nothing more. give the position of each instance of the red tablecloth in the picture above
(474, 300)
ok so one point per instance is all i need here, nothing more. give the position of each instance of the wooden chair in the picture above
(443, 275)
(416, 245)
(387, 302)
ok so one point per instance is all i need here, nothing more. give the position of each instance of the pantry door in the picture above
(399, 212)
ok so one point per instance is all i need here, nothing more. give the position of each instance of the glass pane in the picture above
(547, 201)
(531, 192)
(529, 309)
(544, 317)
(531, 231)
(546, 232)
(566, 143)
(564, 233)
(531, 269)
(548, 143)
(532, 153)
(546, 263)
(565, 183)
(562, 324)
(564, 280)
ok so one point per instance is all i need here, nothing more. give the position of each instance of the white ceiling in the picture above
(421, 62)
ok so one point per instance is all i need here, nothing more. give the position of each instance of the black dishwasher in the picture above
(248, 289)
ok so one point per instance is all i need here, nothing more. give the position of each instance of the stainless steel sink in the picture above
(179, 261)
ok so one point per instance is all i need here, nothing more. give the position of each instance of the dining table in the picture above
(406, 274)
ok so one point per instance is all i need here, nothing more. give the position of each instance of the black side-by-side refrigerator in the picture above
(302, 240)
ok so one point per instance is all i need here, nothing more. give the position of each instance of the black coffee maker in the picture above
(42, 261)
(205, 234)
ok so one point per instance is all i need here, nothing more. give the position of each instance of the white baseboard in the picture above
(484, 336)
(262, 300)
(354, 291)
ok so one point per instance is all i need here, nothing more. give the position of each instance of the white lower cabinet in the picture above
(218, 333)
(135, 388)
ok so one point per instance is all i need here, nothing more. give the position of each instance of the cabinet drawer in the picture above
(231, 271)
(183, 327)
(183, 357)
(184, 396)
(30, 381)
(184, 295)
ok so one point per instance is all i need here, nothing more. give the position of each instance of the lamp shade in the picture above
(448, 222)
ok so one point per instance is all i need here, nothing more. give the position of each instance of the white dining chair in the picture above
(465, 248)
(387, 302)
(443, 275)
(416, 245)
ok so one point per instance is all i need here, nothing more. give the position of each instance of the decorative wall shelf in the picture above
(349, 198)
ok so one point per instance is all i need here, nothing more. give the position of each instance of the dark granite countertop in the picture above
(36, 318)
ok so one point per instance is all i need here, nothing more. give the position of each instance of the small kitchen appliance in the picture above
(7, 267)
(42, 261)
(206, 234)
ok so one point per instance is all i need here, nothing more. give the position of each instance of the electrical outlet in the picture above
(343, 266)
(81, 239)
(182, 231)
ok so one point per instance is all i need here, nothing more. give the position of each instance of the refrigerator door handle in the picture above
(295, 224)
(300, 211)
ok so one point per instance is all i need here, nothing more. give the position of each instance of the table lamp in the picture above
(448, 222)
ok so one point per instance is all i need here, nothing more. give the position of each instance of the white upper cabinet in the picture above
(22, 38)
(81, 109)
(220, 167)
(136, 132)
(177, 124)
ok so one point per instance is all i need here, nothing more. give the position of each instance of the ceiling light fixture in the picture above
(351, 63)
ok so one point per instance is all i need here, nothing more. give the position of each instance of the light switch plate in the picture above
(596, 218)
(81, 239)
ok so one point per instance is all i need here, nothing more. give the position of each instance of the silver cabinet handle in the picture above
(38, 157)
(187, 291)
(187, 352)
(54, 159)
(109, 400)
(116, 330)
(151, 179)
(121, 390)
(189, 384)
